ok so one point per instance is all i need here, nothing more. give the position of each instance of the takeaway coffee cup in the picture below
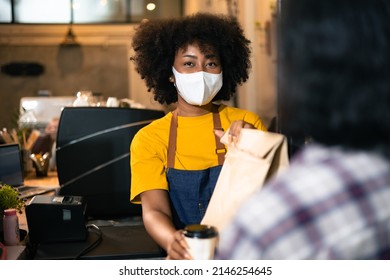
(201, 240)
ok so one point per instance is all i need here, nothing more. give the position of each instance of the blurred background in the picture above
(59, 48)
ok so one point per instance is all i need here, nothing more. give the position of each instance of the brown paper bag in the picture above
(255, 158)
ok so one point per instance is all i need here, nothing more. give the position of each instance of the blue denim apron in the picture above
(190, 190)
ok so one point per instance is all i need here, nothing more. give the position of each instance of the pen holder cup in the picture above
(41, 164)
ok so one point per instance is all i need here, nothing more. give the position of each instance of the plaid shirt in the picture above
(330, 204)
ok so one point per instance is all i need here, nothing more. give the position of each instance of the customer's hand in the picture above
(177, 247)
(234, 130)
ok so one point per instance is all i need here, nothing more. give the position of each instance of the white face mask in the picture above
(197, 88)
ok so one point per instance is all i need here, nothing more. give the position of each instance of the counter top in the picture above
(50, 180)
(114, 234)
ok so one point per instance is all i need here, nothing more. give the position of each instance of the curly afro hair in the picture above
(156, 42)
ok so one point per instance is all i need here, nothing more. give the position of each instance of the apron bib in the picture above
(190, 190)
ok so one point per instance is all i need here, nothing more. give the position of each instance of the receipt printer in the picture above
(56, 219)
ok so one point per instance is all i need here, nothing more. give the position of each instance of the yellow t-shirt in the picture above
(195, 147)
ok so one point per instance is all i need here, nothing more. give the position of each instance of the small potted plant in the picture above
(9, 198)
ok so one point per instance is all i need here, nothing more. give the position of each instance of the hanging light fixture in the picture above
(70, 37)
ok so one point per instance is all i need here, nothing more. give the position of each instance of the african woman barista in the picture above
(175, 161)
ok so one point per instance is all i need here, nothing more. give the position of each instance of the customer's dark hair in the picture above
(156, 42)
(335, 71)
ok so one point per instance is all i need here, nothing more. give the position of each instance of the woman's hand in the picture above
(157, 218)
(234, 130)
(177, 248)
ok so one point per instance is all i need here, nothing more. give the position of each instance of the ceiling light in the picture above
(70, 37)
(150, 6)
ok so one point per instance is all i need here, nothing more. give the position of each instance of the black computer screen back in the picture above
(92, 156)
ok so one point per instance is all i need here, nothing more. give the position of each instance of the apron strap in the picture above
(172, 140)
(220, 148)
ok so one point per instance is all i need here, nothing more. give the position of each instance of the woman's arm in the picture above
(157, 218)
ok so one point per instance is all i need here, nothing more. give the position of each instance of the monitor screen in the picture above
(93, 160)
(11, 172)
